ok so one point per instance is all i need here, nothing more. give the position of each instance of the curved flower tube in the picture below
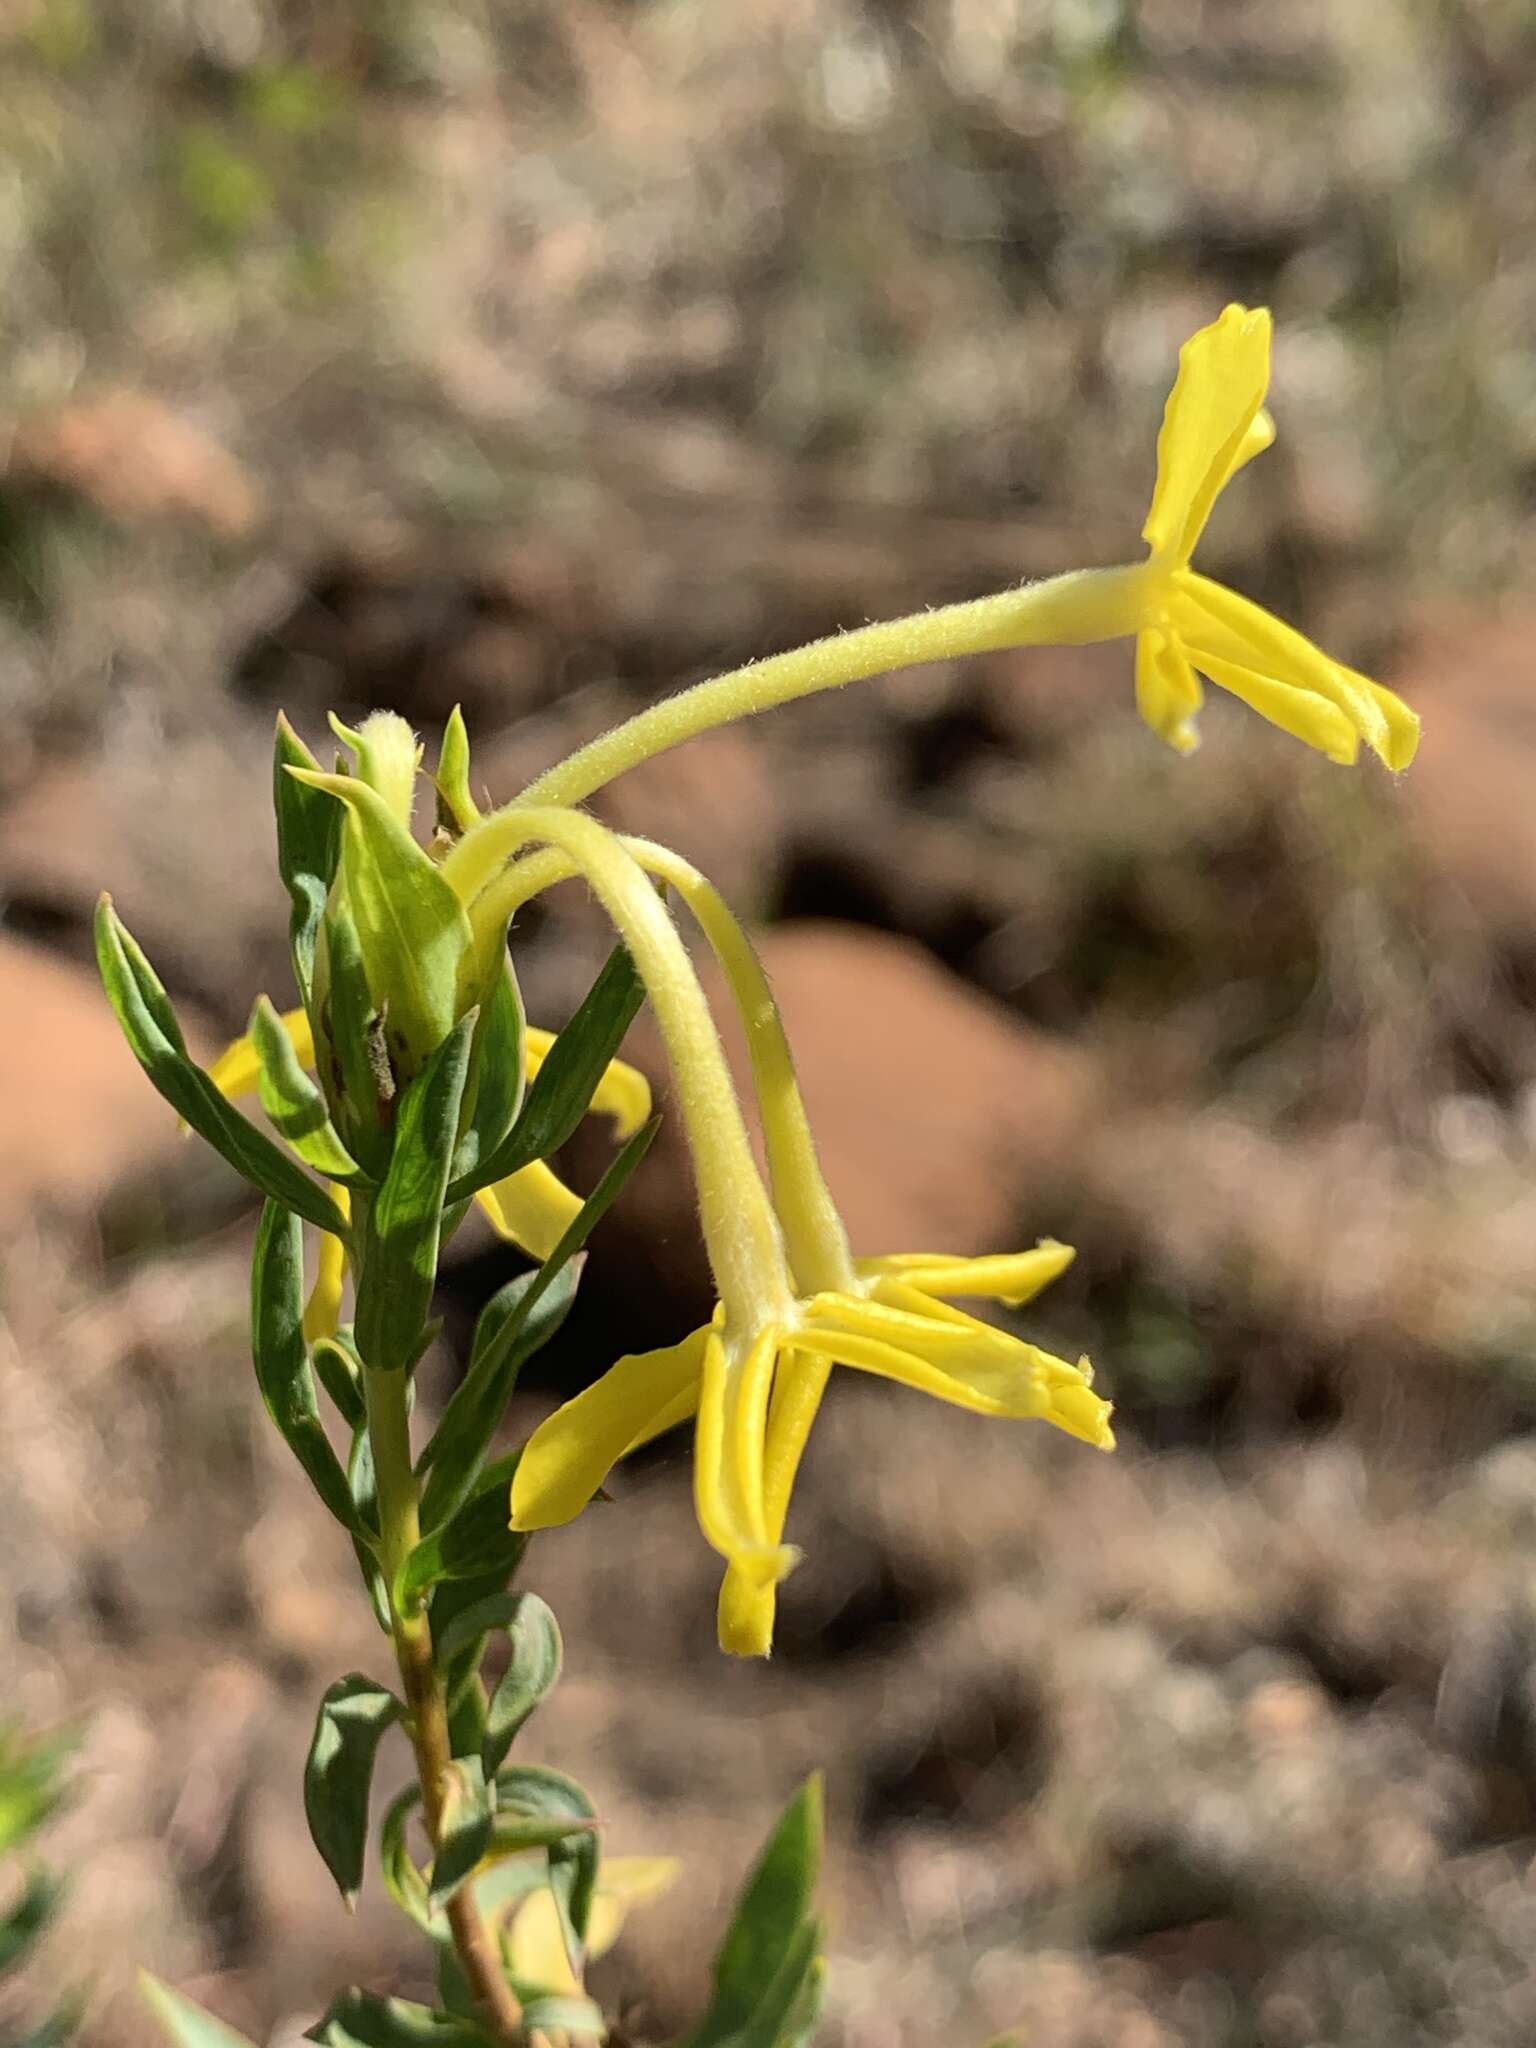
(1181, 621)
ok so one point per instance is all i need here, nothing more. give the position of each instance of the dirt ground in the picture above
(542, 359)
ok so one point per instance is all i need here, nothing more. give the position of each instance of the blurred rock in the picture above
(131, 456)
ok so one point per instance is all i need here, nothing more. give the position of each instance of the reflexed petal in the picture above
(570, 1454)
(623, 1093)
(1168, 692)
(1003, 1377)
(1211, 425)
(1403, 724)
(729, 1449)
(1212, 620)
(322, 1312)
(746, 1609)
(237, 1070)
(1013, 1277)
(532, 1207)
(1301, 713)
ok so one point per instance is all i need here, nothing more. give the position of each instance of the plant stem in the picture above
(389, 1430)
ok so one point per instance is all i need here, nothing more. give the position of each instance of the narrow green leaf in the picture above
(360, 2019)
(415, 938)
(351, 1723)
(517, 1837)
(185, 2023)
(530, 1676)
(456, 808)
(496, 1074)
(466, 1829)
(149, 1024)
(512, 1329)
(350, 1053)
(308, 848)
(785, 2014)
(563, 1088)
(453, 1597)
(291, 1099)
(28, 1917)
(362, 1482)
(768, 1930)
(540, 1793)
(475, 1542)
(554, 2014)
(399, 1258)
(517, 1321)
(283, 1370)
(403, 1880)
(338, 1372)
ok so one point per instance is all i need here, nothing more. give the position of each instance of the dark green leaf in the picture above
(466, 1828)
(466, 1715)
(291, 1099)
(399, 1256)
(768, 1933)
(476, 1542)
(282, 1359)
(540, 1793)
(517, 1321)
(185, 2023)
(496, 1074)
(565, 1084)
(28, 1917)
(338, 1372)
(350, 1053)
(360, 2019)
(308, 847)
(402, 1879)
(150, 1026)
(450, 1599)
(530, 1676)
(351, 1723)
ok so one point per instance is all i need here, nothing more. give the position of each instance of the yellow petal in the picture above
(623, 1093)
(1403, 724)
(1168, 693)
(1013, 1277)
(745, 1615)
(1301, 713)
(729, 1451)
(569, 1456)
(535, 1943)
(532, 1208)
(237, 1070)
(1213, 422)
(746, 1611)
(322, 1312)
(988, 1373)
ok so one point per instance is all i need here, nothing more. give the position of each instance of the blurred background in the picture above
(542, 358)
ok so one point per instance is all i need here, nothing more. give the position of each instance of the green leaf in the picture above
(399, 1256)
(476, 1542)
(530, 1676)
(350, 1052)
(456, 809)
(28, 1917)
(415, 938)
(563, 1088)
(308, 847)
(516, 1322)
(360, 2019)
(282, 1358)
(352, 1721)
(185, 2023)
(339, 1373)
(402, 1879)
(149, 1024)
(496, 1074)
(552, 2014)
(771, 1945)
(466, 1828)
(291, 1099)
(540, 1793)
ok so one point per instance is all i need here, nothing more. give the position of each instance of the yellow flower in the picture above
(755, 1408)
(535, 1943)
(1215, 422)
(531, 1208)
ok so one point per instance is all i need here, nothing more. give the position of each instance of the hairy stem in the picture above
(389, 1430)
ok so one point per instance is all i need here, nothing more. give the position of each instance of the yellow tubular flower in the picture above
(886, 1316)
(530, 1209)
(1182, 622)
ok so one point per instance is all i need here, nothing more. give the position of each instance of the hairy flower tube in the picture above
(755, 1374)
(1182, 622)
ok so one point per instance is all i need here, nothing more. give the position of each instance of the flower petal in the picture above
(571, 1453)
(1013, 1277)
(729, 1449)
(623, 1093)
(1403, 724)
(1213, 422)
(532, 1208)
(746, 1611)
(322, 1311)
(1301, 713)
(1024, 1383)
(1168, 693)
